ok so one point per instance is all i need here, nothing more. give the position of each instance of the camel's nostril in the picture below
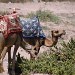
(64, 32)
(36, 53)
(34, 48)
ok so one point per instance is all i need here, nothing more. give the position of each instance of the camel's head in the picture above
(55, 34)
(58, 33)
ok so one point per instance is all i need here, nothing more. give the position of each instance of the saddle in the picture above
(10, 24)
(31, 27)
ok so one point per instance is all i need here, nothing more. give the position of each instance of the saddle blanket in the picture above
(31, 27)
(9, 24)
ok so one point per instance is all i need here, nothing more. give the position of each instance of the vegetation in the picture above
(44, 16)
(22, 1)
(3, 12)
(14, 1)
(58, 61)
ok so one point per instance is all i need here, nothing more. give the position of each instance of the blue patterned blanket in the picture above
(31, 28)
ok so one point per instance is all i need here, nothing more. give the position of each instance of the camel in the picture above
(36, 43)
(9, 37)
(33, 34)
(15, 39)
(6, 44)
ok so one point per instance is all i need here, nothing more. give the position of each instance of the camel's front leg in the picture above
(30, 51)
(23, 45)
(35, 50)
(9, 60)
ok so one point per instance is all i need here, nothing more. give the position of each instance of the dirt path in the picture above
(56, 7)
(65, 10)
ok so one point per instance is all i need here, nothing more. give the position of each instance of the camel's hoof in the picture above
(13, 73)
(9, 71)
(1, 69)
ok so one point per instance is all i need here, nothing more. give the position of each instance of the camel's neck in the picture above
(54, 41)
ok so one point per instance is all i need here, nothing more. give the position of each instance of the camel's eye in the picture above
(56, 31)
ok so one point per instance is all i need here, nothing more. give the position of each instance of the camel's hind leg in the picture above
(9, 56)
(13, 61)
(17, 44)
(3, 53)
(1, 67)
(9, 60)
(2, 43)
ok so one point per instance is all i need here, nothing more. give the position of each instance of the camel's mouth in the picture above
(62, 36)
(64, 32)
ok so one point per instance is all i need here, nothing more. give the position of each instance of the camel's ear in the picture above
(47, 42)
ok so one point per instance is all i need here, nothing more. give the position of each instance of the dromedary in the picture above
(5, 44)
(10, 34)
(36, 43)
(33, 35)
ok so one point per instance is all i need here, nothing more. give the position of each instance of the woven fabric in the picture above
(9, 24)
(31, 27)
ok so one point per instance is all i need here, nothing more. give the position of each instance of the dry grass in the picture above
(22, 1)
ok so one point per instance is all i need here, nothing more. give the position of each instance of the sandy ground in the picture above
(55, 7)
(65, 10)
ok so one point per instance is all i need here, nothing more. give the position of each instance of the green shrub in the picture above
(3, 12)
(4, 1)
(54, 63)
(14, 1)
(44, 16)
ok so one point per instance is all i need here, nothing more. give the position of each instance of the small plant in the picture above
(4, 1)
(45, 28)
(53, 63)
(44, 16)
(13, 1)
(3, 12)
